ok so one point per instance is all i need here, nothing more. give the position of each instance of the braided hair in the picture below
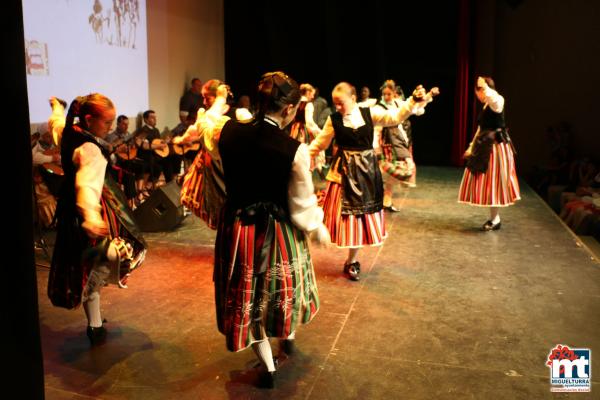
(275, 91)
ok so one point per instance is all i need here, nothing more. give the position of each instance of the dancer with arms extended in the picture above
(353, 202)
(396, 153)
(203, 190)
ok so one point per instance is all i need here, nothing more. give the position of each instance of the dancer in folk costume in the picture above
(304, 128)
(203, 189)
(265, 284)
(353, 202)
(97, 239)
(395, 152)
(490, 177)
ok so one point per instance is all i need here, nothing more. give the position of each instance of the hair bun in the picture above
(277, 83)
(275, 90)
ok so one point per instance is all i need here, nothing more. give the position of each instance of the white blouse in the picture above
(38, 156)
(309, 112)
(89, 180)
(370, 102)
(493, 100)
(302, 201)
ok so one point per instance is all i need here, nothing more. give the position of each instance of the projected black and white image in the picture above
(117, 23)
(82, 46)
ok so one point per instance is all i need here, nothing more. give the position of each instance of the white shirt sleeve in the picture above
(377, 130)
(209, 124)
(89, 181)
(302, 201)
(309, 113)
(394, 117)
(191, 133)
(493, 100)
(242, 114)
(371, 102)
(323, 140)
(420, 107)
(38, 156)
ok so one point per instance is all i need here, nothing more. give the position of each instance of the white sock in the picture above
(264, 353)
(352, 255)
(292, 336)
(495, 215)
(92, 310)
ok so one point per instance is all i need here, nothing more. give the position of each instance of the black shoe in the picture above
(266, 379)
(288, 346)
(353, 271)
(391, 208)
(97, 336)
(490, 226)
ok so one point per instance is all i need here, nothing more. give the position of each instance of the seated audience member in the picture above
(45, 155)
(127, 169)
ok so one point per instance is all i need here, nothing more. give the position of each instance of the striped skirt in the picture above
(196, 193)
(351, 230)
(75, 254)
(252, 307)
(498, 186)
(299, 132)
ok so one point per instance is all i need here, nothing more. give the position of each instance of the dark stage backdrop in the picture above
(324, 42)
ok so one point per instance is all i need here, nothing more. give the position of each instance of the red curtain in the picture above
(464, 91)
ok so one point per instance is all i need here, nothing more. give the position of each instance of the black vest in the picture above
(350, 138)
(257, 160)
(391, 135)
(490, 120)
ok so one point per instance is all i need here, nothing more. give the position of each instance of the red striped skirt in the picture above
(287, 291)
(351, 230)
(194, 191)
(498, 186)
(299, 132)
